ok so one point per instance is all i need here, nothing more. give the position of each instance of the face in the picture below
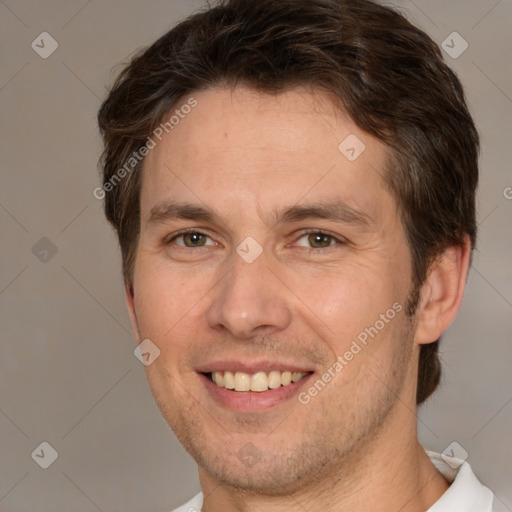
(268, 252)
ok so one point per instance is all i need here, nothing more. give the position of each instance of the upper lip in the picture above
(251, 367)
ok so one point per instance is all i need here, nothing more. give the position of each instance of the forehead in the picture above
(242, 147)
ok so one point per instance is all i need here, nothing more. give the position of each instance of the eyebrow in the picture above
(335, 210)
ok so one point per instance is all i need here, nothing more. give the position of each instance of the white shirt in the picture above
(465, 494)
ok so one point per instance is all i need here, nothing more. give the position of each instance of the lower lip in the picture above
(252, 401)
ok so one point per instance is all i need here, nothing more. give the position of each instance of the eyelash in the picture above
(303, 234)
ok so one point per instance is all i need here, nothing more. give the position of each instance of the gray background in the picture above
(68, 375)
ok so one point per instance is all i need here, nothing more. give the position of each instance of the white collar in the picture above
(466, 493)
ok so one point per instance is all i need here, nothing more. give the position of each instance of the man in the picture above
(293, 187)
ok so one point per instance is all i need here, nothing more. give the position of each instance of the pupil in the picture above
(319, 240)
(194, 239)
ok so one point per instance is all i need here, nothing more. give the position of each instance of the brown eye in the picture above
(315, 240)
(319, 240)
(194, 239)
(190, 239)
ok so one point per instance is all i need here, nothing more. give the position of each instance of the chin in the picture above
(271, 471)
(265, 477)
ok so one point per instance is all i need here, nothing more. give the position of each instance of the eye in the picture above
(190, 239)
(318, 240)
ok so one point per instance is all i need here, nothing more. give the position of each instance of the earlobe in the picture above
(442, 292)
(130, 305)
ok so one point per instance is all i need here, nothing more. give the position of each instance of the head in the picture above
(235, 116)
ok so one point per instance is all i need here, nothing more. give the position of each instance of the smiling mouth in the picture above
(258, 382)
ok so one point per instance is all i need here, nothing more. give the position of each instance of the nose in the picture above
(250, 300)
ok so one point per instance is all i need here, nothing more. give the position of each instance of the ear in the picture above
(130, 305)
(442, 292)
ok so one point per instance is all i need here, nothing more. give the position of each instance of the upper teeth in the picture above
(260, 381)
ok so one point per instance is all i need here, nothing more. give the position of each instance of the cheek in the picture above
(348, 300)
(358, 312)
(170, 303)
(161, 298)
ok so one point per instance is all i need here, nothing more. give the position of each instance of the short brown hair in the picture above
(388, 75)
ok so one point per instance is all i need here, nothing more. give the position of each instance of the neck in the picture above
(388, 473)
